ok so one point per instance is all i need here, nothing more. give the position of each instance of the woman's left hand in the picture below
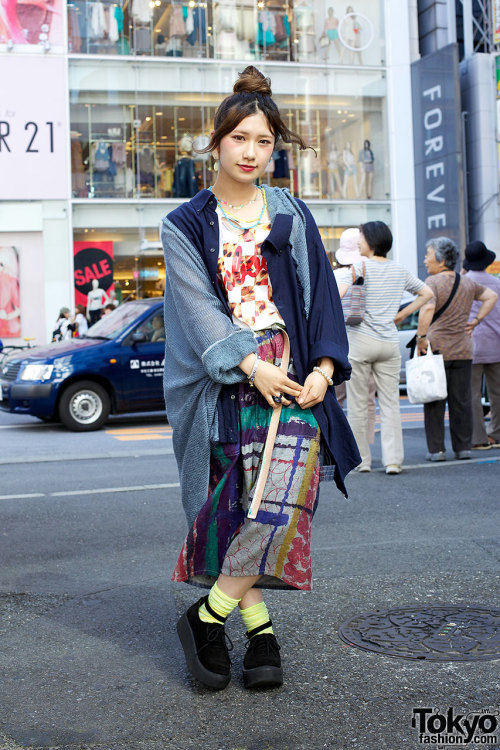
(314, 390)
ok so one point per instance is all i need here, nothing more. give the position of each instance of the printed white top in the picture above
(242, 271)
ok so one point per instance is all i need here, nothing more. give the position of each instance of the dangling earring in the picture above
(216, 165)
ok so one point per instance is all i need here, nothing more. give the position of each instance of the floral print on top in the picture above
(242, 271)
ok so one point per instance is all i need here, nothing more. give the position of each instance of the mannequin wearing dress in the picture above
(96, 299)
(349, 170)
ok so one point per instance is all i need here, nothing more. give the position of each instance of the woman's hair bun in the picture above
(252, 81)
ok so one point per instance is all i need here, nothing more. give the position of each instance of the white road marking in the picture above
(98, 491)
(20, 497)
(104, 490)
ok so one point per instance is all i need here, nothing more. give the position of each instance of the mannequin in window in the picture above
(350, 170)
(185, 183)
(351, 31)
(281, 176)
(77, 166)
(96, 299)
(366, 159)
(335, 184)
(147, 167)
(331, 32)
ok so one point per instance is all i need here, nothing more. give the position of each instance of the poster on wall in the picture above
(93, 263)
(33, 129)
(32, 22)
(10, 303)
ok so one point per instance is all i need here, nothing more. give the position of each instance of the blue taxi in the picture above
(116, 367)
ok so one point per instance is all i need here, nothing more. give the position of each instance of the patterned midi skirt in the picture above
(276, 544)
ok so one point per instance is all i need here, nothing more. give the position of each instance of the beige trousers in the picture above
(382, 359)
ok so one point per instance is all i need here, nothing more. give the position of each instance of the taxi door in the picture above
(141, 364)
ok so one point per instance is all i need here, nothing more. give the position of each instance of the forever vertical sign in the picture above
(437, 138)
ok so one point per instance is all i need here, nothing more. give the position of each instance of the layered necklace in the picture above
(242, 205)
(234, 221)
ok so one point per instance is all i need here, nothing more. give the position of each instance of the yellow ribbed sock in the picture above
(256, 615)
(220, 603)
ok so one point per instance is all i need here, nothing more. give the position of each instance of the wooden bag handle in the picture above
(270, 440)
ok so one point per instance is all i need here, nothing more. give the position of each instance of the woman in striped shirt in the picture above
(374, 343)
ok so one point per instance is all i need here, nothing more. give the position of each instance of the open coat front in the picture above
(204, 346)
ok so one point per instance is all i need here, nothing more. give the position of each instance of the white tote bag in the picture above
(426, 378)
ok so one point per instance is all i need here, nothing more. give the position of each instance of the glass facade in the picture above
(302, 31)
(141, 142)
(139, 117)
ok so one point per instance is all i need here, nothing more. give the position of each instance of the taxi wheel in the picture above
(84, 406)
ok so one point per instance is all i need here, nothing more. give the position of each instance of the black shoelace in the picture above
(262, 645)
(217, 633)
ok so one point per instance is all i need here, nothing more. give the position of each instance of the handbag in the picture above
(426, 378)
(324, 41)
(357, 303)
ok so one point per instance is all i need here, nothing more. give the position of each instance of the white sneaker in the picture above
(363, 469)
(393, 469)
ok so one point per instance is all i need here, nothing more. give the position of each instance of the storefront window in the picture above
(282, 30)
(131, 144)
(137, 256)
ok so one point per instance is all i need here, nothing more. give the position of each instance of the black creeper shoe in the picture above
(262, 662)
(204, 645)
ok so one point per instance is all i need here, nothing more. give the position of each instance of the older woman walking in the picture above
(450, 333)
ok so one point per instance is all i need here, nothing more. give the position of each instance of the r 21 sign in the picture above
(34, 129)
(34, 138)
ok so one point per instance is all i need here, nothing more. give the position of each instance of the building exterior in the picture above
(107, 103)
(459, 41)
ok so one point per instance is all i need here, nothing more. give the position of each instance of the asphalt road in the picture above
(90, 528)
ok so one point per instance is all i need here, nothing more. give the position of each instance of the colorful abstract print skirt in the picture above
(277, 544)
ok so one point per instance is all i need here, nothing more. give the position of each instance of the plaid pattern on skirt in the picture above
(276, 544)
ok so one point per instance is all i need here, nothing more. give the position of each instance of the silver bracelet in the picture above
(251, 377)
(324, 373)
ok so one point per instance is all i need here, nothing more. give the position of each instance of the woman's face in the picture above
(245, 152)
(431, 263)
(364, 248)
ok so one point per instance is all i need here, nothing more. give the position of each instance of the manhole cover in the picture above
(435, 633)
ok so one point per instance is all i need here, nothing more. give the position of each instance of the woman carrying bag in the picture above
(256, 341)
(450, 333)
(374, 343)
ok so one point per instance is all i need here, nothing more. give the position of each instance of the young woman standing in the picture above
(255, 343)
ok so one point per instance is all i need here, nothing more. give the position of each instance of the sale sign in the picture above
(92, 260)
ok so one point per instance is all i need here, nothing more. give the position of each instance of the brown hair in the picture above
(251, 94)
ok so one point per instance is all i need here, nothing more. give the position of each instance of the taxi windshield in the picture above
(114, 323)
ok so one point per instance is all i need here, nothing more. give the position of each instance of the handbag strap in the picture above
(441, 310)
(270, 440)
(353, 272)
(412, 343)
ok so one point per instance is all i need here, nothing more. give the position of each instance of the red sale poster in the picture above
(93, 261)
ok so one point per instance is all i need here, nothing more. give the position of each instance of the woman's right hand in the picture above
(272, 381)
